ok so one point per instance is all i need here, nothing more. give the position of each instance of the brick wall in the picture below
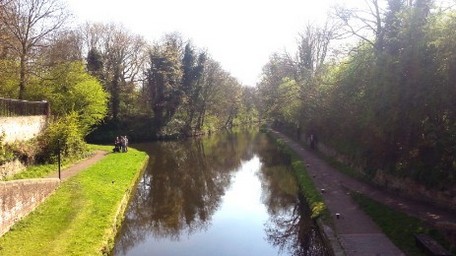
(22, 128)
(18, 198)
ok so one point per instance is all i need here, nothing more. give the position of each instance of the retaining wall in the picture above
(19, 197)
(22, 128)
(444, 198)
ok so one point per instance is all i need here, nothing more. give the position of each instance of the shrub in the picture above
(65, 132)
(25, 151)
(5, 153)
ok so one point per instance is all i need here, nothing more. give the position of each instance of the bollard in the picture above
(337, 215)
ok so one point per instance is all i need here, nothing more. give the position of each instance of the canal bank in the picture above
(83, 215)
(354, 232)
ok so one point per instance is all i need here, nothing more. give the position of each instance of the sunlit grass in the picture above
(81, 217)
(44, 170)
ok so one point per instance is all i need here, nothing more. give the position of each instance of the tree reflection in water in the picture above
(182, 187)
(184, 184)
(289, 227)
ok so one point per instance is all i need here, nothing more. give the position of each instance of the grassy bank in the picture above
(82, 216)
(44, 170)
(399, 227)
(307, 187)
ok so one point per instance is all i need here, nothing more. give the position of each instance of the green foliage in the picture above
(306, 185)
(5, 153)
(69, 88)
(64, 133)
(387, 106)
(98, 196)
(311, 193)
(9, 79)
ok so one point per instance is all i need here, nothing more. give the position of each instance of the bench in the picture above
(430, 246)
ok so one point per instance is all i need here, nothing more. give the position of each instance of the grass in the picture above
(82, 216)
(307, 187)
(44, 170)
(399, 227)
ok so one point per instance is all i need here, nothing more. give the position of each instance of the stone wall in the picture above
(22, 128)
(444, 198)
(18, 198)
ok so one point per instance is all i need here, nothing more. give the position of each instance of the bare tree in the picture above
(29, 24)
(123, 55)
(313, 47)
(363, 23)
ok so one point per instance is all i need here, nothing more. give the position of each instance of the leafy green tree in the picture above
(164, 78)
(70, 89)
(64, 133)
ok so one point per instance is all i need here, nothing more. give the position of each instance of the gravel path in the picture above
(79, 166)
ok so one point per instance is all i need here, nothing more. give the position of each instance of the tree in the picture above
(364, 23)
(117, 57)
(164, 78)
(95, 63)
(70, 89)
(193, 67)
(29, 24)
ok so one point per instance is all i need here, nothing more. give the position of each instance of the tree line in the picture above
(112, 79)
(387, 101)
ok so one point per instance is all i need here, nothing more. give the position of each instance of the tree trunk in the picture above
(22, 81)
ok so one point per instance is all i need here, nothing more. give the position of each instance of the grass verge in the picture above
(399, 227)
(82, 216)
(306, 185)
(44, 170)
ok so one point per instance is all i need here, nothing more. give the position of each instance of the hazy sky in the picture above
(240, 34)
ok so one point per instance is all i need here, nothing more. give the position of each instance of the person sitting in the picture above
(117, 145)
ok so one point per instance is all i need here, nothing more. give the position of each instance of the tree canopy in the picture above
(388, 103)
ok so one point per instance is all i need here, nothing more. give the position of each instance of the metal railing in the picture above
(13, 107)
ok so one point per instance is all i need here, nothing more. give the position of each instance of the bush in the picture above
(25, 151)
(5, 154)
(65, 132)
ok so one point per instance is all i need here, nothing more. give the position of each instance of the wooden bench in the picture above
(430, 246)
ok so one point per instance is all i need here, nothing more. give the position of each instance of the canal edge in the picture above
(108, 243)
(330, 237)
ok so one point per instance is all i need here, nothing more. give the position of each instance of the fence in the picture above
(12, 107)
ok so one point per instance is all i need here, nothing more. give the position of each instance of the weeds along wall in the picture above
(20, 197)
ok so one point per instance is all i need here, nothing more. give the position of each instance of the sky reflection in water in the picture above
(231, 195)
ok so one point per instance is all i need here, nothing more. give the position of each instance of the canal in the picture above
(228, 194)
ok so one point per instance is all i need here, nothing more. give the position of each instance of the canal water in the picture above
(229, 194)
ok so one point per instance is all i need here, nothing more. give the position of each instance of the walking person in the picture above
(312, 141)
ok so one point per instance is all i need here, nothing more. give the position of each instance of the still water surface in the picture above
(230, 194)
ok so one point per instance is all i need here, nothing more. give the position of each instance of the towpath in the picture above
(357, 233)
(79, 166)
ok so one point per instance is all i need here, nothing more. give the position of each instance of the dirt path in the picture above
(358, 234)
(80, 166)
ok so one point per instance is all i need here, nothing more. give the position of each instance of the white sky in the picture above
(240, 34)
